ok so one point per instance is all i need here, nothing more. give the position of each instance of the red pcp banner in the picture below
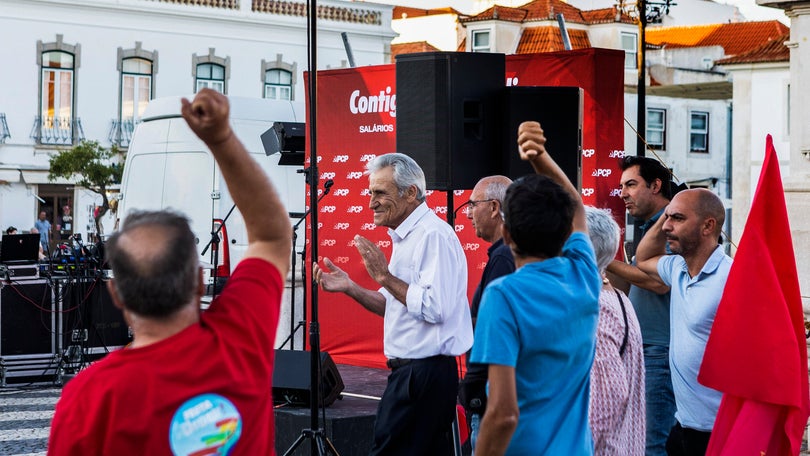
(357, 122)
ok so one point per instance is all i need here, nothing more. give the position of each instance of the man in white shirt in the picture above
(423, 298)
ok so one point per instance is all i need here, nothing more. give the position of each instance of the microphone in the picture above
(327, 185)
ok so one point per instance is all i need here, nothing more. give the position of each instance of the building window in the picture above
(480, 41)
(137, 68)
(699, 132)
(56, 123)
(657, 128)
(212, 76)
(211, 72)
(630, 47)
(279, 78)
(277, 85)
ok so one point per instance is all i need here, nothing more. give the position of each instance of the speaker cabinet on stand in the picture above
(292, 379)
(447, 115)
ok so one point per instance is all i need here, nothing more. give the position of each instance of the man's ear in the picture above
(114, 295)
(655, 186)
(411, 193)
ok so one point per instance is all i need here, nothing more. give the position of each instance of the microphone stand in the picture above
(293, 328)
(214, 245)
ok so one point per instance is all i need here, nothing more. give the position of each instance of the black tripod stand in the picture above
(293, 327)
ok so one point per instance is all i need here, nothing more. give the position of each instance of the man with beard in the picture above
(696, 273)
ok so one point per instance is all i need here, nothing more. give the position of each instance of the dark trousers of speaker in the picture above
(292, 378)
(447, 115)
(559, 111)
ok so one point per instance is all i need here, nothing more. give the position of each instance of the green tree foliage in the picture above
(90, 166)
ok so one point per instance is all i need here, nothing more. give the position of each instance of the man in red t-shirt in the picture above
(189, 383)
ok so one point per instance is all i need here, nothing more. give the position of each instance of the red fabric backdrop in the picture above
(357, 121)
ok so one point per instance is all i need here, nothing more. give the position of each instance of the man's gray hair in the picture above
(604, 232)
(496, 188)
(406, 172)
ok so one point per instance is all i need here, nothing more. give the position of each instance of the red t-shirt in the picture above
(205, 388)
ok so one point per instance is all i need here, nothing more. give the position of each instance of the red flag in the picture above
(757, 353)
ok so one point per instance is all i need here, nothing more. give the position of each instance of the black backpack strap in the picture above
(626, 329)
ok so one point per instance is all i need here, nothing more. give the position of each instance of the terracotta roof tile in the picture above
(772, 51)
(401, 12)
(548, 39)
(411, 48)
(536, 10)
(606, 16)
(735, 38)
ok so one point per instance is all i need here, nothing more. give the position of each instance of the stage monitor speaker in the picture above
(27, 318)
(447, 115)
(291, 378)
(559, 111)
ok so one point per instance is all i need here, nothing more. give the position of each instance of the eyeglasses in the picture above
(472, 203)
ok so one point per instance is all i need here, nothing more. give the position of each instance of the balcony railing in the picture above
(4, 133)
(57, 130)
(121, 131)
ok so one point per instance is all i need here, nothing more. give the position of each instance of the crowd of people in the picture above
(569, 352)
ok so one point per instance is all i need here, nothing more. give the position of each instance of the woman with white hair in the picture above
(617, 377)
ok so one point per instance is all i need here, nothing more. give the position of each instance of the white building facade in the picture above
(85, 69)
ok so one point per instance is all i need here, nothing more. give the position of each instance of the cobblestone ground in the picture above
(25, 420)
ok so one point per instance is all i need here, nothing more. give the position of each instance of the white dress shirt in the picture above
(427, 255)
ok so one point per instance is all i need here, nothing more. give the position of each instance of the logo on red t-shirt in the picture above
(204, 425)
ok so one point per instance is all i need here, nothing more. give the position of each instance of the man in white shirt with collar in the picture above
(423, 298)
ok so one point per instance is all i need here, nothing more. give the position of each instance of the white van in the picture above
(167, 166)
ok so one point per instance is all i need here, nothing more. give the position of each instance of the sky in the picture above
(754, 12)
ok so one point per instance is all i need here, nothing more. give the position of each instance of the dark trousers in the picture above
(417, 410)
(687, 442)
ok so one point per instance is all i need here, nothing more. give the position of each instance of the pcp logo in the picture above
(428, 192)
(458, 192)
(328, 243)
(367, 157)
(440, 209)
(616, 192)
(586, 192)
(354, 210)
(459, 228)
(365, 192)
(602, 172)
(328, 209)
(588, 153)
(341, 226)
(342, 192)
(472, 246)
(340, 159)
(354, 175)
(617, 154)
(368, 226)
(383, 244)
(327, 176)
(341, 260)
(320, 225)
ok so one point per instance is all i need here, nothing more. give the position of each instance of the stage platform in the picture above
(349, 420)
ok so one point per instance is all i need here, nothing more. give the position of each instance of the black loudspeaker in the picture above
(90, 319)
(291, 378)
(559, 111)
(447, 115)
(26, 318)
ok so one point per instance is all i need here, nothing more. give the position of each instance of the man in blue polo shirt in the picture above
(536, 328)
(696, 274)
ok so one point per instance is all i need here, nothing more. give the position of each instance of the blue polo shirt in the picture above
(693, 305)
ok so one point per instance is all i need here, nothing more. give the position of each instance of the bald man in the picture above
(696, 274)
(484, 209)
